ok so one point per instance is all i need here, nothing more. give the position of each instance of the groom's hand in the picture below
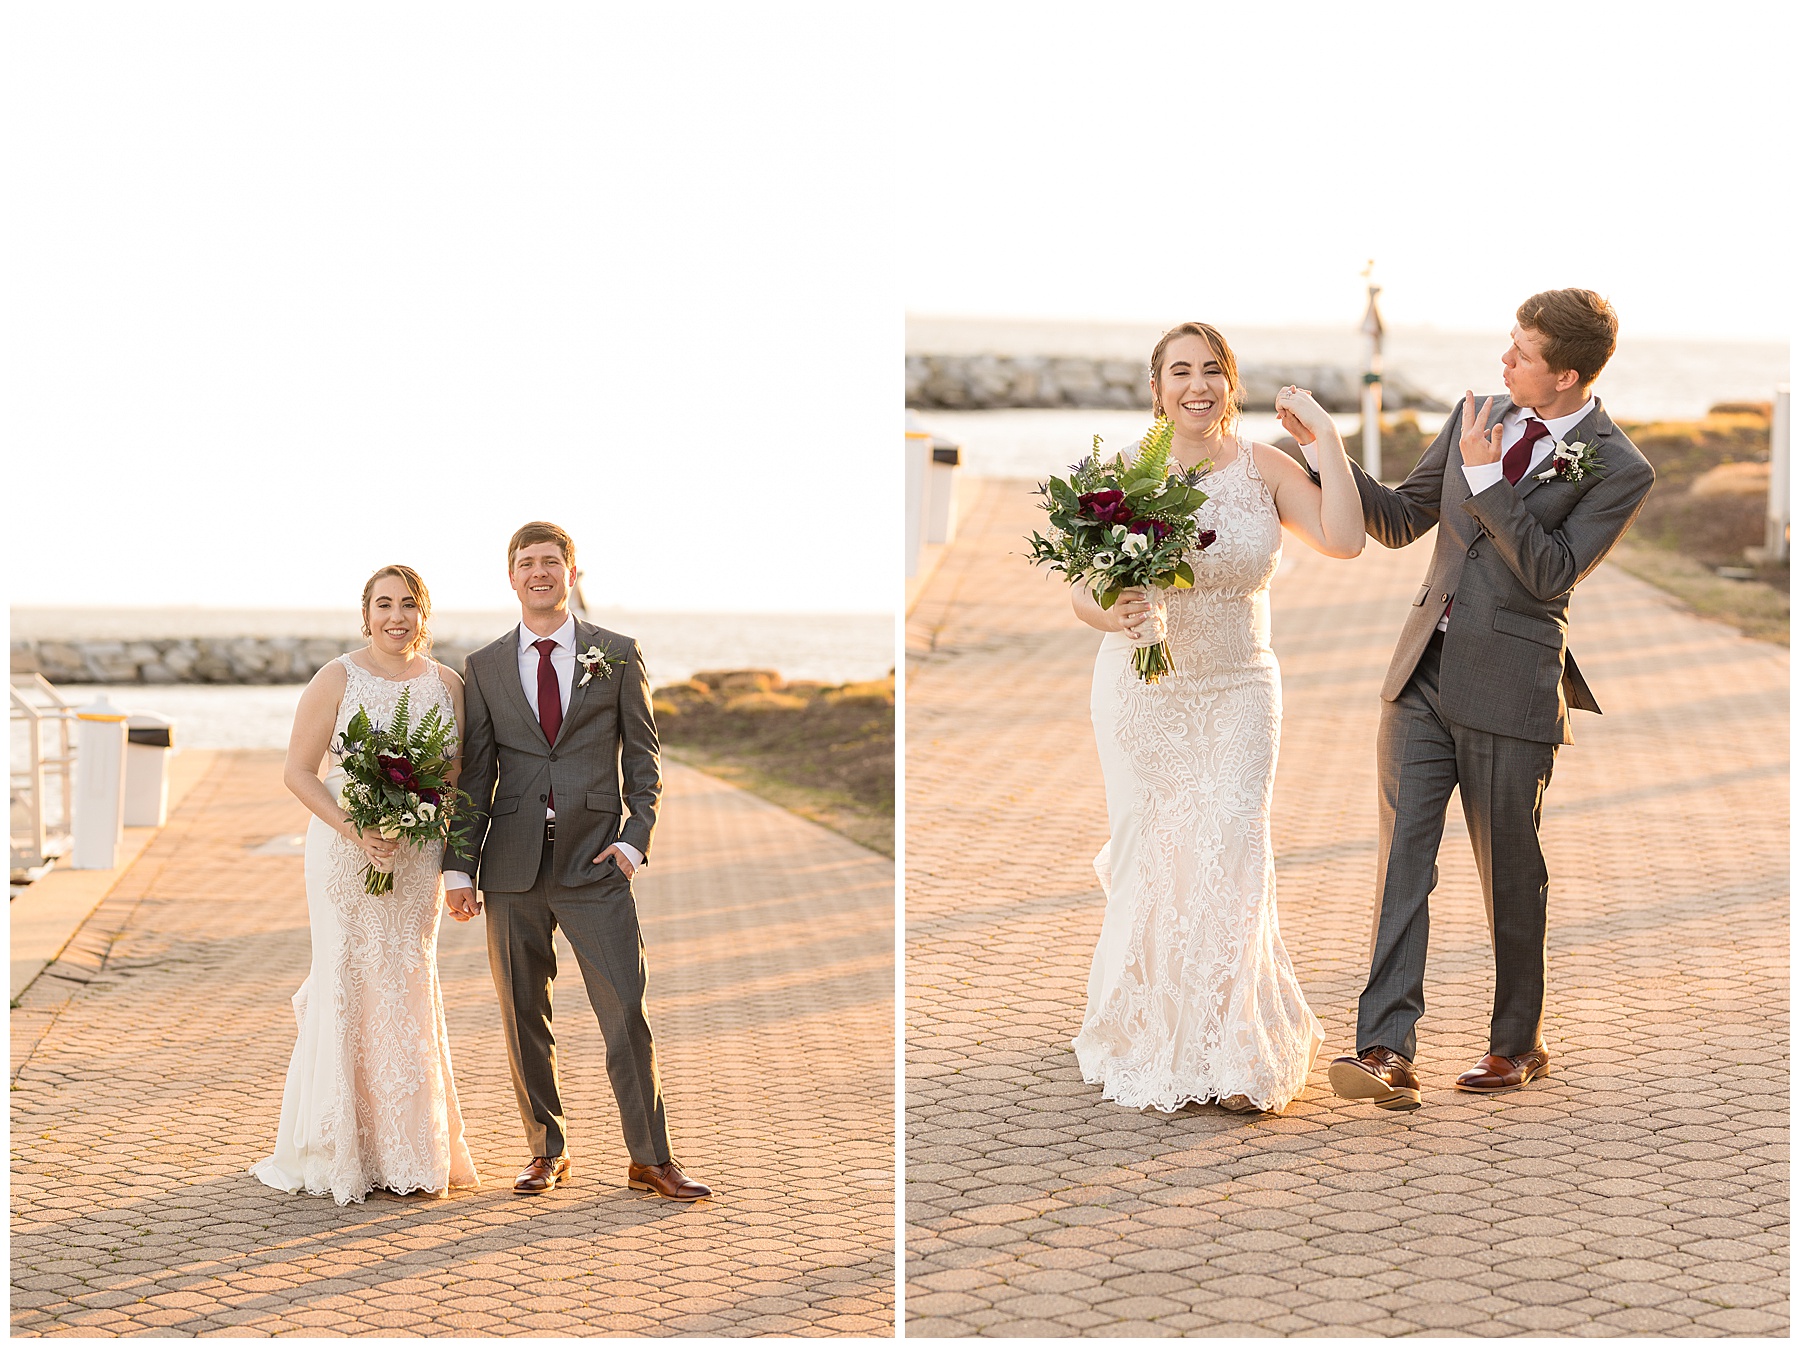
(462, 904)
(1479, 444)
(620, 860)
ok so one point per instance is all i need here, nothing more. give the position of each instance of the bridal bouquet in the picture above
(396, 781)
(1117, 526)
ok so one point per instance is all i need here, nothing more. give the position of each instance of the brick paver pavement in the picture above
(1641, 1189)
(141, 1095)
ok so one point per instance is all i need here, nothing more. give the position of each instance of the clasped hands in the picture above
(465, 903)
(1300, 414)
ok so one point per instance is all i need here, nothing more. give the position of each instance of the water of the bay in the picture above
(832, 648)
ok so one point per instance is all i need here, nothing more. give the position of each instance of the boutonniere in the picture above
(1571, 462)
(596, 661)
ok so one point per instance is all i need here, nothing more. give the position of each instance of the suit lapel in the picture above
(509, 679)
(584, 637)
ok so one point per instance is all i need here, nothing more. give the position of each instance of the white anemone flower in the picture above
(1136, 545)
(409, 820)
(427, 811)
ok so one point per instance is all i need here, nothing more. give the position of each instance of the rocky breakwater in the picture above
(983, 383)
(254, 660)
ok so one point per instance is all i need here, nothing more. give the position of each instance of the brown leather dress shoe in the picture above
(1497, 1072)
(542, 1175)
(666, 1179)
(1380, 1076)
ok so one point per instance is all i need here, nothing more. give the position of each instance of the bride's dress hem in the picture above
(276, 1178)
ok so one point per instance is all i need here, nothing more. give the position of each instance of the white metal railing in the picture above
(41, 791)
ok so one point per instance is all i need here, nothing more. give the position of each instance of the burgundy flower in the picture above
(429, 796)
(398, 770)
(1107, 506)
(1155, 528)
(1207, 539)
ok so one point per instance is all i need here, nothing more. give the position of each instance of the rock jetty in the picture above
(982, 383)
(193, 659)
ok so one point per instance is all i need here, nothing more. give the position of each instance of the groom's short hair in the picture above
(1579, 328)
(541, 531)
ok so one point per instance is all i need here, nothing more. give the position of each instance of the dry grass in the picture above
(826, 752)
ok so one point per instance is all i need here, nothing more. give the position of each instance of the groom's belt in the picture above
(550, 830)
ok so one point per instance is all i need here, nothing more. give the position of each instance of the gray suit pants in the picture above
(1420, 759)
(600, 924)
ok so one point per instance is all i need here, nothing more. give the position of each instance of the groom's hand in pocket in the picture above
(620, 860)
(462, 904)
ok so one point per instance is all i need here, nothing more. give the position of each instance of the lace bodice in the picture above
(1224, 619)
(379, 696)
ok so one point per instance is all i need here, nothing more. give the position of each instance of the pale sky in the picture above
(296, 290)
(1243, 161)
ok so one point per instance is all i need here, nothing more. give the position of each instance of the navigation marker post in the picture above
(1371, 399)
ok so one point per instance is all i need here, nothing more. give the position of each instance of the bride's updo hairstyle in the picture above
(415, 586)
(1221, 348)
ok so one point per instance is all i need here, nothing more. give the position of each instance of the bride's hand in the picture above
(1142, 617)
(1130, 608)
(1300, 414)
(379, 850)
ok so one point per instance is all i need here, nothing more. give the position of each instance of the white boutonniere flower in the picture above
(596, 661)
(1570, 461)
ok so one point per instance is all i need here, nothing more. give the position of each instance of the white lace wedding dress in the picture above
(369, 1101)
(1192, 996)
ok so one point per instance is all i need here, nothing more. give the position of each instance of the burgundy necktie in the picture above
(549, 696)
(1518, 458)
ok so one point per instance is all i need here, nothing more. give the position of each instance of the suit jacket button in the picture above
(542, 799)
(553, 756)
(1474, 552)
(1445, 596)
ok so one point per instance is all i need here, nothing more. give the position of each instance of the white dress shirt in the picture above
(562, 660)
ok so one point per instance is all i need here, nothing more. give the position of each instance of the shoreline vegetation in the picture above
(1700, 535)
(822, 751)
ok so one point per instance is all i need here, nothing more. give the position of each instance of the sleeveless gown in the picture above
(1192, 997)
(369, 1101)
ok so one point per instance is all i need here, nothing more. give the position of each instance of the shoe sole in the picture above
(1353, 1083)
(1500, 1090)
(652, 1189)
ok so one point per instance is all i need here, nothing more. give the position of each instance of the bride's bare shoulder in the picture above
(331, 678)
(1274, 464)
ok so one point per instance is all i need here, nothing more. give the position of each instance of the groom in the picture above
(558, 719)
(1528, 494)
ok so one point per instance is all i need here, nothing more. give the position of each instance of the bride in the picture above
(1192, 998)
(369, 1101)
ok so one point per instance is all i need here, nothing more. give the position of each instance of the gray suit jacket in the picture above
(1509, 557)
(606, 759)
